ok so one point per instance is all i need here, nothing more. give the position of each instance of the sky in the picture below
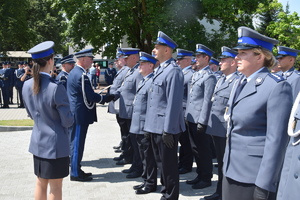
(294, 5)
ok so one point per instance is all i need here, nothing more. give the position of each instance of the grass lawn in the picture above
(23, 122)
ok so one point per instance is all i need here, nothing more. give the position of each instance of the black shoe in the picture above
(201, 185)
(214, 196)
(87, 174)
(140, 186)
(118, 151)
(194, 181)
(118, 158)
(116, 147)
(144, 191)
(82, 179)
(134, 174)
(183, 171)
(127, 171)
(123, 162)
(5, 106)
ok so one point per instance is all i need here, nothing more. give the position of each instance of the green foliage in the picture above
(26, 23)
(106, 22)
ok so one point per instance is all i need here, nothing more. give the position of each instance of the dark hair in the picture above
(36, 68)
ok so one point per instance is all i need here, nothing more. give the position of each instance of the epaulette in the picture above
(276, 77)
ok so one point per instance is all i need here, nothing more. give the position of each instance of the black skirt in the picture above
(51, 168)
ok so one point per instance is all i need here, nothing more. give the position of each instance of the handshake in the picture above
(107, 98)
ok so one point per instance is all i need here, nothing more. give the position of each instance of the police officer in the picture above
(5, 75)
(184, 59)
(110, 73)
(47, 104)
(287, 58)
(82, 103)
(113, 107)
(19, 84)
(256, 135)
(146, 67)
(126, 95)
(164, 116)
(214, 65)
(197, 114)
(11, 75)
(216, 126)
(289, 181)
(67, 64)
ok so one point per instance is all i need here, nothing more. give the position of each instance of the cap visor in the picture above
(242, 47)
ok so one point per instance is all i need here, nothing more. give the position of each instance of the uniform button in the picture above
(296, 176)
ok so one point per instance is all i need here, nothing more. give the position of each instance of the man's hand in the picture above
(147, 135)
(168, 140)
(201, 127)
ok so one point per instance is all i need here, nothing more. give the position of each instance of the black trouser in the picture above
(234, 190)
(185, 151)
(220, 143)
(149, 164)
(19, 90)
(127, 151)
(169, 166)
(200, 142)
(137, 164)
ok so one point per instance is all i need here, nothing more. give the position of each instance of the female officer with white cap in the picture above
(47, 104)
(258, 113)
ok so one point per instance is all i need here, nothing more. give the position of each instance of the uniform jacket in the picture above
(187, 73)
(18, 74)
(164, 105)
(82, 114)
(8, 77)
(289, 181)
(292, 76)
(140, 106)
(51, 113)
(216, 124)
(199, 98)
(109, 75)
(127, 92)
(62, 77)
(118, 80)
(257, 130)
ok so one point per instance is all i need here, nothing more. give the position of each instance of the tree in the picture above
(26, 23)
(106, 22)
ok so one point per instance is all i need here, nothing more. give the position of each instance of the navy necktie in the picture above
(239, 89)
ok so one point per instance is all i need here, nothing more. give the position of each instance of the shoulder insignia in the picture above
(276, 77)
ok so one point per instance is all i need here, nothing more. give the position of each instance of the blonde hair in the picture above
(270, 60)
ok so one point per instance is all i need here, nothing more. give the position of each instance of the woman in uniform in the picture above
(258, 114)
(47, 104)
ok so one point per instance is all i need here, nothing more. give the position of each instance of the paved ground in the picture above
(17, 180)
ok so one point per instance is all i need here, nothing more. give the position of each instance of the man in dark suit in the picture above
(82, 103)
(217, 126)
(110, 73)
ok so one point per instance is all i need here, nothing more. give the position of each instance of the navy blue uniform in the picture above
(19, 84)
(62, 77)
(109, 75)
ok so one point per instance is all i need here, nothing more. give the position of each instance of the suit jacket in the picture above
(293, 77)
(109, 75)
(118, 80)
(127, 92)
(51, 113)
(199, 98)
(140, 106)
(62, 77)
(164, 105)
(18, 74)
(216, 123)
(82, 114)
(187, 73)
(257, 130)
(289, 181)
